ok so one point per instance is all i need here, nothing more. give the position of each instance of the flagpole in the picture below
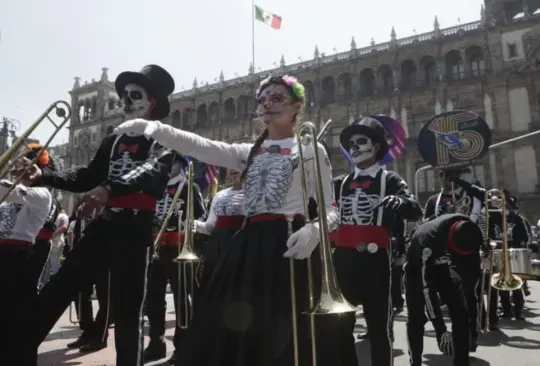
(253, 35)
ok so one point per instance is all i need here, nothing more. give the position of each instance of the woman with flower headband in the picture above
(246, 316)
(22, 215)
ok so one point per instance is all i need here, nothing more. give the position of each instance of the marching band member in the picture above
(42, 245)
(436, 246)
(398, 252)
(56, 243)
(246, 315)
(371, 201)
(518, 237)
(95, 332)
(22, 215)
(127, 175)
(225, 218)
(163, 269)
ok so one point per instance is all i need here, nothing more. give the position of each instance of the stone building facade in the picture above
(491, 67)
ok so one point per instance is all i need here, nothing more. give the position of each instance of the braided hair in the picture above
(296, 90)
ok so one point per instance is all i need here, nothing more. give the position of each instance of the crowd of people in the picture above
(242, 301)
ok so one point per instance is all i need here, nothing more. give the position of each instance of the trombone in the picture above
(186, 255)
(505, 280)
(331, 300)
(62, 111)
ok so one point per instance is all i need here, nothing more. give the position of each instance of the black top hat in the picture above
(156, 81)
(370, 127)
(465, 237)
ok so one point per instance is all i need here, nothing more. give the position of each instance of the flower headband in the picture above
(290, 81)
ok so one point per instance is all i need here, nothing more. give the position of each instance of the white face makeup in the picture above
(274, 103)
(360, 148)
(136, 101)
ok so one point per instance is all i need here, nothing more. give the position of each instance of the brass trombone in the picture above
(63, 111)
(187, 256)
(331, 300)
(505, 280)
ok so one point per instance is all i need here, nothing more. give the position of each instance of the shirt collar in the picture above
(372, 171)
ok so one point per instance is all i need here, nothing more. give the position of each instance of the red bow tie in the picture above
(356, 184)
(130, 148)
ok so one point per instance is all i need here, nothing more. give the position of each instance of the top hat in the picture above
(370, 127)
(465, 237)
(156, 81)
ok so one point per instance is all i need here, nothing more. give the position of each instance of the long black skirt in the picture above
(245, 318)
(212, 248)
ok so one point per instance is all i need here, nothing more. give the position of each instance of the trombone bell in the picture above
(187, 254)
(502, 284)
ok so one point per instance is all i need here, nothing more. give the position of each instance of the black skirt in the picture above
(245, 318)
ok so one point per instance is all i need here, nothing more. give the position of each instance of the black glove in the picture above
(445, 343)
(392, 203)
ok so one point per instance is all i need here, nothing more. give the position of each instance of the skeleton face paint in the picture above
(136, 101)
(275, 103)
(361, 148)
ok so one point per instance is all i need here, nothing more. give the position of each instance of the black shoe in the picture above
(363, 336)
(172, 360)
(93, 346)
(78, 343)
(493, 327)
(507, 315)
(398, 309)
(156, 350)
(519, 317)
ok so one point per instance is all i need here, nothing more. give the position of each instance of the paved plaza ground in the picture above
(518, 343)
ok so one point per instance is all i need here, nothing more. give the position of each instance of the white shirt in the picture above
(57, 241)
(372, 171)
(227, 202)
(24, 211)
(272, 184)
(71, 226)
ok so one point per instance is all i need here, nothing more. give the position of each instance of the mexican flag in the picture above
(267, 18)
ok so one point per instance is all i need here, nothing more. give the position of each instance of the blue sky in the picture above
(46, 43)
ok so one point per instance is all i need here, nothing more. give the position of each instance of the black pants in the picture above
(397, 286)
(165, 271)
(42, 250)
(365, 278)
(18, 289)
(517, 298)
(98, 329)
(471, 275)
(493, 317)
(119, 242)
(447, 283)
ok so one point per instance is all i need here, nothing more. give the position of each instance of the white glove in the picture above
(302, 243)
(200, 227)
(137, 127)
(446, 344)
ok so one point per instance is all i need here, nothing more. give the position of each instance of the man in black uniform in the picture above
(95, 332)
(371, 201)
(518, 237)
(398, 252)
(164, 270)
(127, 175)
(437, 247)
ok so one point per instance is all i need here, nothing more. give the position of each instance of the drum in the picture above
(535, 264)
(521, 262)
(496, 258)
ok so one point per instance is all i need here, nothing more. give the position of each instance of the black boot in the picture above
(93, 346)
(79, 342)
(156, 350)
